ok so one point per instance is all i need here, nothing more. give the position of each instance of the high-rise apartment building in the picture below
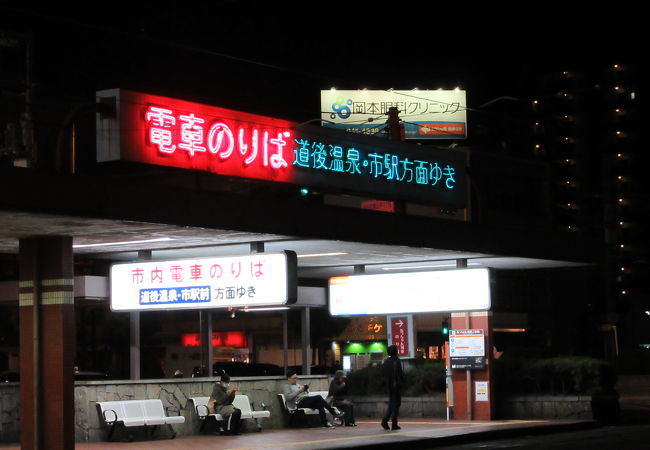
(585, 122)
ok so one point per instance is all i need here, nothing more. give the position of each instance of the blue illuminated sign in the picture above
(385, 169)
(317, 155)
(187, 294)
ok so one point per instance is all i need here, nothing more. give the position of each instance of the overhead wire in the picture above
(158, 40)
(187, 47)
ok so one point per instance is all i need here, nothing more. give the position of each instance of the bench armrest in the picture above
(173, 408)
(106, 419)
(205, 409)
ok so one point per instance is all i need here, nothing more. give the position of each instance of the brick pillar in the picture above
(47, 343)
(481, 410)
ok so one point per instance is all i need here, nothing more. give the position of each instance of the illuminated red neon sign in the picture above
(177, 133)
(171, 131)
(223, 339)
(163, 131)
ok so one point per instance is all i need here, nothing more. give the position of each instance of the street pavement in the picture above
(415, 433)
(632, 432)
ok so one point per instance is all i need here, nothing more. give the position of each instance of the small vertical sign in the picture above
(481, 391)
(400, 333)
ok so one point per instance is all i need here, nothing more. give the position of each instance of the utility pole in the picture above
(395, 129)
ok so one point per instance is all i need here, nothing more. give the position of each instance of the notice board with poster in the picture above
(467, 349)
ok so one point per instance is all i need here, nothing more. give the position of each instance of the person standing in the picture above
(394, 376)
(222, 398)
(337, 391)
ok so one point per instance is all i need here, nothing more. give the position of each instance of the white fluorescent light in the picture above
(425, 267)
(431, 291)
(314, 255)
(105, 244)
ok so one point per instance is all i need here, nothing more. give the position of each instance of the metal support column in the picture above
(285, 341)
(134, 347)
(206, 342)
(257, 247)
(134, 331)
(305, 331)
(462, 264)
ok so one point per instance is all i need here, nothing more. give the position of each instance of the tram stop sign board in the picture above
(467, 349)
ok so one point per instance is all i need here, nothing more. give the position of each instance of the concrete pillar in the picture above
(465, 405)
(47, 343)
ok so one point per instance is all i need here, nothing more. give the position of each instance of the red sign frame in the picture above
(399, 326)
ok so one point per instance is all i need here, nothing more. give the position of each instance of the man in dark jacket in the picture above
(394, 376)
(222, 397)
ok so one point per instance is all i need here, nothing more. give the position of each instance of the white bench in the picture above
(203, 412)
(292, 411)
(138, 413)
(242, 402)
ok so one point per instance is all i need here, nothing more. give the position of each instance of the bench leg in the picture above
(171, 430)
(153, 430)
(110, 433)
(221, 426)
(258, 424)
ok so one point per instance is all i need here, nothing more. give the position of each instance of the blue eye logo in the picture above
(341, 108)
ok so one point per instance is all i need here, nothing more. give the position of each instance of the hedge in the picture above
(421, 379)
(562, 375)
(555, 376)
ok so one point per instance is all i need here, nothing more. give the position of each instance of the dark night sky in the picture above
(273, 58)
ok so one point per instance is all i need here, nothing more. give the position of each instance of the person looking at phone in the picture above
(221, 403)
(297, 396)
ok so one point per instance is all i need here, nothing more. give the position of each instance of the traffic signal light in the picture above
(445, 327)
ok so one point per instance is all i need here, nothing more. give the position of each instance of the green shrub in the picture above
(559, 375)
(421, 379)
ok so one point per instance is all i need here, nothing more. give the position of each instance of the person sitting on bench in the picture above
(296, 396)
(221, 403)
(338, 389)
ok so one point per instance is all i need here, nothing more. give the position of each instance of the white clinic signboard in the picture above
(414, 292)
(260, 279)
(425, 114)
